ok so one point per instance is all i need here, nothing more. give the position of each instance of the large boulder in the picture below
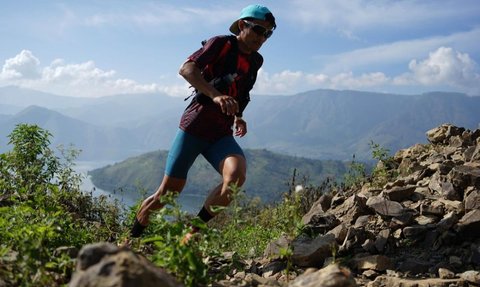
(104, 264)
(331, 276)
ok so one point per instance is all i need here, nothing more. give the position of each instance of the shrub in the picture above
(42, 208)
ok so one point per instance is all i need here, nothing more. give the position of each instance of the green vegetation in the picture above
(383, 171)
(267, 174)
(243, 227)
(43, 209)
(356, 174)
(44, 216)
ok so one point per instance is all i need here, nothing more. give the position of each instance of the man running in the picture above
(222, 72)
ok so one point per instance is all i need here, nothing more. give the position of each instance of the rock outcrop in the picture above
(423, 222)
(104, 264)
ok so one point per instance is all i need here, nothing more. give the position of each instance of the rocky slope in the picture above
(415, 223)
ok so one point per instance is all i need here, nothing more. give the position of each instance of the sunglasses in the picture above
(259, 29)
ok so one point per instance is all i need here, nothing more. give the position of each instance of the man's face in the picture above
(253, 33)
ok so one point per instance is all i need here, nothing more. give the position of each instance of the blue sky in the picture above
(96, 48)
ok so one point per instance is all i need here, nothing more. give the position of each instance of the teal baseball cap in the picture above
(253, 11)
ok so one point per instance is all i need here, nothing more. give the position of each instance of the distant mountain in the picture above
(408, 126)
(14, 99)
(337, 124)
(94, 141)
(322, 124)
(129, 111)
(268, 174)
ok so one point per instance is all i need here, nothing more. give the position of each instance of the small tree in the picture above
(31, 163)
(42, 208)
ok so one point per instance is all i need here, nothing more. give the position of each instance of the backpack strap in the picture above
(229, 52)
(256, 62)
(231, 55)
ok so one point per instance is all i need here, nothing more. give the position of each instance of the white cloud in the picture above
(24, 65)
(445, 66)
(398, 52)
(349, 81)
(288, 82)
(162, 16)
(354, 15)
(83, 80)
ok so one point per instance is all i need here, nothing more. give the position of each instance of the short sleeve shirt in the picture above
(206, 120)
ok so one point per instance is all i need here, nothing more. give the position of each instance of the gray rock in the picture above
(444, 273)
(273, 268)
(416, 231)
(272, 250)
(91, 254)
(414, 266)
(471, 276)
(313, 252)
(429, 208)
(330, 276)
(443, 133)
(426, 219)
(320, 222)
(466, 175)
(373, 262)
(382, 239)
(387, 281)
(351, 209)
(385, 207)
(113, 267)
(472, 201)
(340, 232)
(447, 222)
(469, 224)
(369, 246)
(400, 193)
(449, 191)
(475, 255)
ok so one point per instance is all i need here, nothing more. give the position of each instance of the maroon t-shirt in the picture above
(206, 120)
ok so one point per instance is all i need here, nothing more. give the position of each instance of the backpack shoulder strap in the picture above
(231, 55)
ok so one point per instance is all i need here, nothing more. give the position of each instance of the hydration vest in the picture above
(226, 80)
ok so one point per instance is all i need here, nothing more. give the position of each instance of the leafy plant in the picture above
(383, 171)
(356, 174)
(42, 209)
(167, 229)
(247, 227)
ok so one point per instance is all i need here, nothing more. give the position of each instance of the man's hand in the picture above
(228, 104)
(240, 127)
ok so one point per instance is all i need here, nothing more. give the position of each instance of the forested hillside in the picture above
(268, 174)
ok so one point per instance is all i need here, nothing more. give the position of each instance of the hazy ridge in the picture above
(321, 124)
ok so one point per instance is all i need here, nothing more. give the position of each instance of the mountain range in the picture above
(320, 124)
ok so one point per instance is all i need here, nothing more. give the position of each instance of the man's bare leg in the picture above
(153, 203)
(234, 169)
(233, 172)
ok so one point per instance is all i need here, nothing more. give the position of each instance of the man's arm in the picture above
(192, 74)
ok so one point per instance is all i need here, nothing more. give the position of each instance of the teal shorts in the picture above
(186, 148)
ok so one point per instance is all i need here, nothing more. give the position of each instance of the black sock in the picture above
(137, 228)
(204, 215)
